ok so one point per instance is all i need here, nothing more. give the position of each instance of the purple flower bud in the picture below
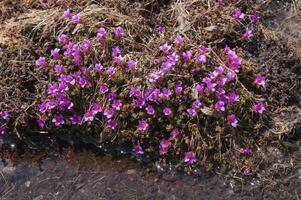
(233, 98)
(116, 104)
(192, 112)
(248, 34)
(247, 171)
(109, 113)
(111, 71)
(178, 88)
(196, 104)
(112, 96)
(103, 88)
(67, 14)
(58, 120)
(237, 14)
(232, 120)
(139, 103)
(112, 124)
(164, 145)
(59, 69)
(118, 59)
(2, 130)
(200, 88)
(230, 76)
(41, 122)
(260, 80)
(96, 108)
(55, 53)
(189, 157)
(165, 48)
(201, 59)
(186, 56)
(150, 110)
(86, 46)
(119, 33)
(76, 19)
(132, 64)
(245, 151)
(167, 111)
(116, 51)
(142, 125)
(174, 133)
(179, 40)
(4, 115)
(63, 39)
(75, 120)
(83, 82)
(165, 93)
(41, 62)
(101, 35)
(161, 29)
(138, 150)
(98, 67)
(220, 106)
(89, 116)
(254, 18)
(259, 107)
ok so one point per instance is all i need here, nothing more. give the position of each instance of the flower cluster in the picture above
(152, 102)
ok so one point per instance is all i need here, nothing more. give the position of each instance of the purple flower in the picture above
(220, 106)
(96, 108)
(192, 112)
(119, 32)
(178, 88)
(101, 35)
(103, 88)
(2, 130)
(164, 145)
(89, 116)
(64, 102)
(41, 62)
(201, 59)
(41, 122)
(63, 39)
(165, 93)
(55, 53)
(248, 34)
(67, 14)
(254, 18)
(116, 51)
(200, 88)
(259, 107)
(4, 115)
(174, 133)
(233, 98)
(76, 19)
(186, 56)
(142, 125)
(111, 71)
(150, 110)
(167, 111)
(179, 40)
(116, 104)
(165, 48)
(42, 108)
(161, 29)
(58, 120)
(86, 46)
(135, 92)
(237, 14)
(112, 96)
(230, 76)
(245, 151)
(138, 149)
(75, 120)
(98, 67)
(118, 59)
(189, 157)
(112, 124)
(132, 64)
(260, 80)
(109, 113)
(83, 81)
(247, 171)
(232, 120)
(59, 69)
(139, 103)
(196, 104)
